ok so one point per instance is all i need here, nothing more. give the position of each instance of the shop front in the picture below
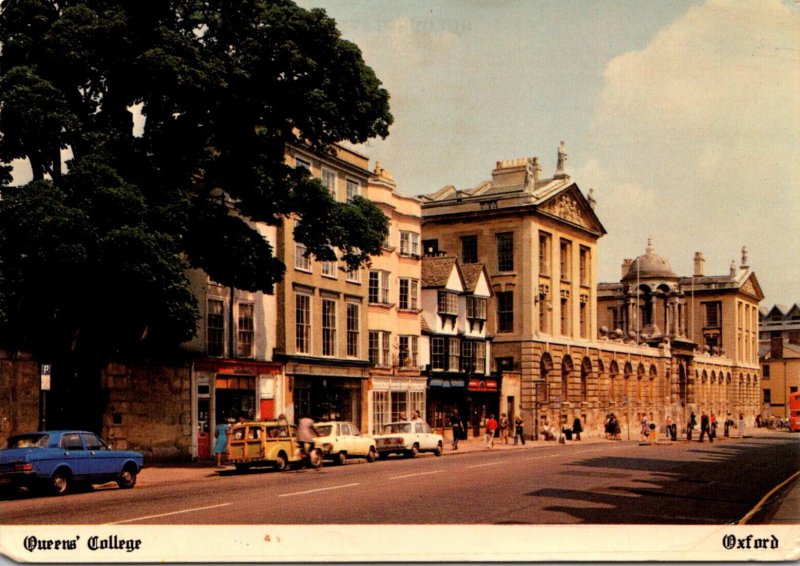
(447, 394)
(394, 398)
(225, 390)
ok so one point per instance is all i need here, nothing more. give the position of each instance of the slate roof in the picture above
(472, 273)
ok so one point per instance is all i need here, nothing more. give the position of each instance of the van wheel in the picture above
(281, 462)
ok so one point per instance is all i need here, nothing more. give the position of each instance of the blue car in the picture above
(60, 459)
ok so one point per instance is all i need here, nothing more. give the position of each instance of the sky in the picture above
(682, 115)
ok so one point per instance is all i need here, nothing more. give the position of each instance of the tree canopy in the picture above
(94, 249)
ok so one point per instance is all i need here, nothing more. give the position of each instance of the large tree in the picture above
(93, 250)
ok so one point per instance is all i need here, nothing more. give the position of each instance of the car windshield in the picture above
(29, 441)
(395, 428)
(324, 430)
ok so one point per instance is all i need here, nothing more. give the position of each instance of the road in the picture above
(592, 483)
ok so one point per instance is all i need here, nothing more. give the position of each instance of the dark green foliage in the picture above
(93, 256)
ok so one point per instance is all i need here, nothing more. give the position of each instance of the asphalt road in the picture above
(598, 483)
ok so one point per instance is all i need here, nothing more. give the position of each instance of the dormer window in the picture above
(476, 308)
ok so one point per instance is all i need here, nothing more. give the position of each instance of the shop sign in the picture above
(485, 385)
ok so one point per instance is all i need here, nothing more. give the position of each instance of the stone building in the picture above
(538, 239)
(322, 330)
(780, 358)
(394, 305)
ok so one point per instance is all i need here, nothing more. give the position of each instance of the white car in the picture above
(340, 440)
(408, 438)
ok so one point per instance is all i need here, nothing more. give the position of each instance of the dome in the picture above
(649, 266)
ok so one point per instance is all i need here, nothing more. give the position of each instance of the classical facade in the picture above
(396, 383)
(538, 238)
(780, 358)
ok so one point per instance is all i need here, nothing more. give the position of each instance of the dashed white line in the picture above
(413, 475)
(168, 514)
(317, 490)
(483, 465)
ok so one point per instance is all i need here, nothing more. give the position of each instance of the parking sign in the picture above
(45, 375)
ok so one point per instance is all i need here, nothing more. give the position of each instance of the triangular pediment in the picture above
(571, 206)
(750, 286)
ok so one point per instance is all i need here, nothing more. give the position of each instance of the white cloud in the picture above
(706, 116)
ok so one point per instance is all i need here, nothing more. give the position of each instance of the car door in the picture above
(359, 443)
(75, 455)
(102, 464)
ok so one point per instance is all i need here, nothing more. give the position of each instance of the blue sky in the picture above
(684, 116)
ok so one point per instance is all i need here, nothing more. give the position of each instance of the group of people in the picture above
(493, 426)
(611, 427)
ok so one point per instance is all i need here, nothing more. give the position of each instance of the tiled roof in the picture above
(436, 270)
(472, 273)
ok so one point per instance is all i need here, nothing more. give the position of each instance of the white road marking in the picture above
(570, 453)
(167, 514)
(482, 465)
(413, 475)
(540, 457)
(316, 490)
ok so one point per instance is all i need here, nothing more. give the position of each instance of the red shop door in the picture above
(267, 409)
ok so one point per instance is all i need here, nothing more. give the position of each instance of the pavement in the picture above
(779, 506)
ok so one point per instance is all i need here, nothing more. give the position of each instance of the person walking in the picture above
(519, 432)
(491, 427)
(644, 433)
(728, 425)
(577, 428)
(306, 434)
(221, 445)
(713, 430)
(705, 427)
(504, 425)
(457, 425)
(671, 427)
(690, 426)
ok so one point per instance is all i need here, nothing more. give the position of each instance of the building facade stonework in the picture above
(576, 348)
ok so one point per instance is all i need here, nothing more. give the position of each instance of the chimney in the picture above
(699, 264)
(626, 265)
(734, 269)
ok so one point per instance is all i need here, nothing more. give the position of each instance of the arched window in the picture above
(586, 370)
(566, 369)
(613, 381)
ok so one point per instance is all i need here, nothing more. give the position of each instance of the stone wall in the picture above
(19, 395)
(149, 410)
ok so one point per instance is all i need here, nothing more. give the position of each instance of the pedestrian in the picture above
(713, 430)
(221, 445)
(491, 427)
(672, 428)
(690, 426)
(519, 432)
(728, 425)
(577, 428)
(504, 425)
(457, 425)
(644, 433)
(705, 427)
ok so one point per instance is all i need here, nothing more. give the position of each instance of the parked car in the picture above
(342, 440)
(408, 438)
(59, 459)
(267, 443)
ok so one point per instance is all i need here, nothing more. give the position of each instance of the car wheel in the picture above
(60, 482)
(341, 458)
(438, 451)
(413, 452)
(281, 462)
(371, 455)
(127, 478)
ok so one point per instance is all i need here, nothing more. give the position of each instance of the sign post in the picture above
(44, 387)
